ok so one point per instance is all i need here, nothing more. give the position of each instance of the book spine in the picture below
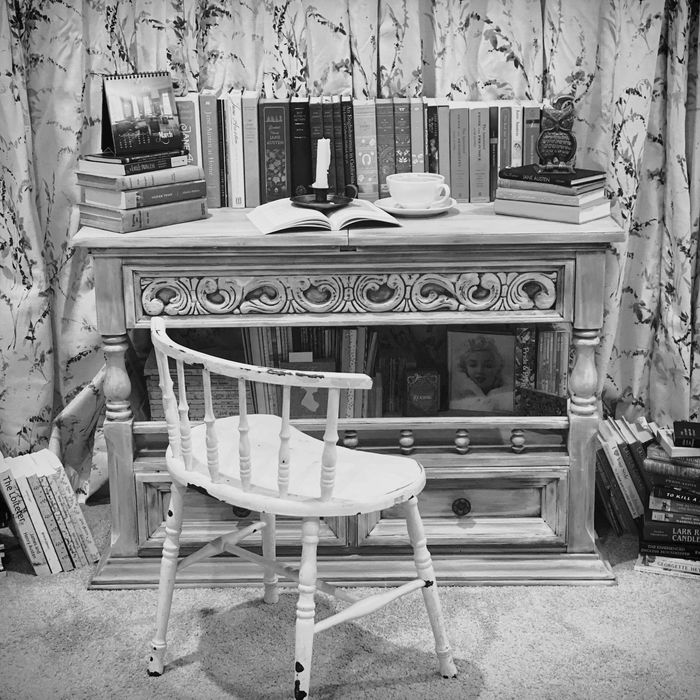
(251, 163)
(188, 115)
(402, 134)
(531, 132)
(524, 364)
(23, 524)
(605, 500)
(459, 153)
(385, 142)
(40, 528)
(658, 502)
(432, 129)
(158, 163)
(300, 146)
(365, 124)
(617, 500)
(49, 519)
(141, 180)
(505, 145)
(671, 564)
(479, 154)
(210, 148)
(633, 469)
(65, 523)
(274, 147)
(337, 145)
(686, 433)
(516, 140)
(149, 217)
(346, 110)
(668, 549)
(494, 147)
(444, 166)
(61, 485)
(329, 133)
(675, 533)
(623, 477)
(676, 494)
(152, 196)
(667, 516)
(222, 138)
(417, 135)
(234, 149)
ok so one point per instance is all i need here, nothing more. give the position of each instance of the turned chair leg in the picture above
(306, 608)
(166, 584)
(424, 567)
(270, 577)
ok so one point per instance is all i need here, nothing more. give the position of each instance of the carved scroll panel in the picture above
(491, 290)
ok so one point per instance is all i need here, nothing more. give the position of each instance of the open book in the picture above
(282, 215)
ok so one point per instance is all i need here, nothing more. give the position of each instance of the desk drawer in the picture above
(482, 507)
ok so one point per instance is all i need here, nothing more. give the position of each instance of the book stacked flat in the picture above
(575, 197)
(45, 515)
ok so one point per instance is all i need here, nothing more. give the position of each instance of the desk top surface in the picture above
(464, 224)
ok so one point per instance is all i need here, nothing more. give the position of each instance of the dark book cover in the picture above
(604, 500)
(686, 433)
(422, 392)
(533, 173)
(677, 494)
(493, 151)
(223, 160)
(668, 549)
(617, 498)
(273, 128)
(328, 133)
(664, 473)
(432, 128)
(402, 134)
(300, 141)
(674, 533)
(385, 142)
(524, 365)
(337, 146)
(634, 471)
(139, 114)
(349, 156)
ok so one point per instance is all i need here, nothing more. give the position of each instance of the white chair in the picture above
(262, 463)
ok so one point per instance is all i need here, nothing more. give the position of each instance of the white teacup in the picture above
(418, 190)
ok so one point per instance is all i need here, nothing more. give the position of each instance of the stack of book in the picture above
(530, 192)
(144, 176)
(670, 534)
(44, 513)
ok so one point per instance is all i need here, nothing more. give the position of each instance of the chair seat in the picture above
(364, 481)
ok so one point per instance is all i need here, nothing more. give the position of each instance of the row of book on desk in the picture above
(168, 159)
(648, 483)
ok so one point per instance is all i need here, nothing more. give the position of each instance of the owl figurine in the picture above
(556, 145)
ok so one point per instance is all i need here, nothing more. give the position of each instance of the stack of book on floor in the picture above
(571, 197)
(144, 176)
(44, 513)
(670, 534)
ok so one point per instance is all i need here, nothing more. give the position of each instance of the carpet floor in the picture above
(638, 639)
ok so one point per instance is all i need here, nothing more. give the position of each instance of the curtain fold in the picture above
(632, 68)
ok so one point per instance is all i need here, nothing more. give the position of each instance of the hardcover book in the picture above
(479, 169)
(422, 392)
(251, 161)
(432, 130)
(553, 212)
(139, 114)
(337, 145)
(144, 196)
(531, 131)
(234, 148)
(300, 142)
(417, 135)
(365, 123)
(386, 163)
(141, 180)
(108, 166)
(402, 134)
(275, 164)
(222, 138)
(459, 150)
(349, 159)
(188, 115)
(532, 173)
(443, 114)
(210, 147)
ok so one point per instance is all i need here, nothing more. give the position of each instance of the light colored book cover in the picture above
(188, 114)
(234, 148)
(365, 123)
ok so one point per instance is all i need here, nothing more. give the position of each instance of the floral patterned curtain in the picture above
(631, 66)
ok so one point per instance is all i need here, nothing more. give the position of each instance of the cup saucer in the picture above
(389, 204)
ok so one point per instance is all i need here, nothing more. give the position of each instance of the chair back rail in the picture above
(177, 410)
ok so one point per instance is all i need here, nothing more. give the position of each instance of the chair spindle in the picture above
(285, 433)
(245, 468)
(330, 440)
(212, 441)
(169, 402)
(184, 410)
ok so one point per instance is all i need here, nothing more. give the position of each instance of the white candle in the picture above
(323, 161)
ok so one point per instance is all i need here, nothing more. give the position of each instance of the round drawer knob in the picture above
(461, 507)
(240, 512)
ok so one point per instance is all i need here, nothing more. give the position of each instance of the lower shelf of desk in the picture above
(354, 570)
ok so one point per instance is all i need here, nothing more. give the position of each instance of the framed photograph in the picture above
(480, 368)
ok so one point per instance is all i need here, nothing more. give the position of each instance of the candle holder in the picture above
(321, 200)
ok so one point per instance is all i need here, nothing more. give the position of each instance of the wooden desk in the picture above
(531, 517)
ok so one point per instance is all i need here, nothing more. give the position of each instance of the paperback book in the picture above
(535, 173)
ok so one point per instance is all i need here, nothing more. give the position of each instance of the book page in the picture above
(281, 215)
(359, 210)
